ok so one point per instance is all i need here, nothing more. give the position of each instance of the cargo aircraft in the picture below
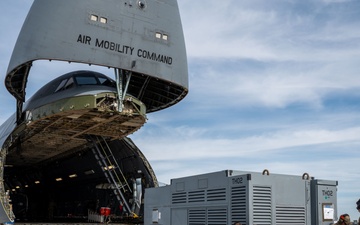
(65, 153)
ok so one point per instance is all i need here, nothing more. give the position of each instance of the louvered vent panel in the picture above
(197, 217)
(216, 195)
(238, 203)
(262, 205)
(217, 216)
(290, 215)
(179, 197)
(196, 196)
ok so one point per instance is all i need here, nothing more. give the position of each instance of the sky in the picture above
(272, 85)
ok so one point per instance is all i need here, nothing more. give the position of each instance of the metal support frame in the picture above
(109, 165)
(119, 77)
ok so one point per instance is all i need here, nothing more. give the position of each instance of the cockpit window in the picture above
(61, 85)
(105, 81)
(69, 83)
(86, 80)
(65, 84)
(102, 80)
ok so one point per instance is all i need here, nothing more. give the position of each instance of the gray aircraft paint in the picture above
(140, 36)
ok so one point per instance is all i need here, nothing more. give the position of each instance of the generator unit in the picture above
(225, 197)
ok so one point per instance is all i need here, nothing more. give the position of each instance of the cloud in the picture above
(302, 32)
(245, 83)
(190, 143)
(271, 55)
